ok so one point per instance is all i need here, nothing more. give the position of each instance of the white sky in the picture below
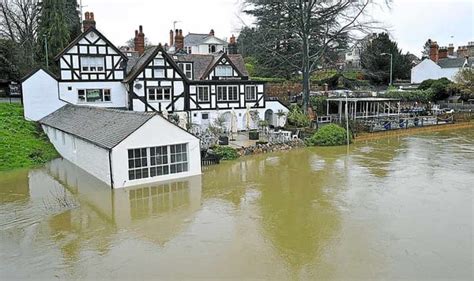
(410, 22)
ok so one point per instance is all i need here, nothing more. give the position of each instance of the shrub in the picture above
(297, 117)
(318, 103)
(422, 96)
(329, 135)
(225, 152)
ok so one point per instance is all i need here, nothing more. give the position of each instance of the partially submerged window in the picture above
(137, 163)
(92, 64)
(159, 94)
(157, 161)
(93, 95)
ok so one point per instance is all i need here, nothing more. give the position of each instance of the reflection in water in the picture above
(391, 209)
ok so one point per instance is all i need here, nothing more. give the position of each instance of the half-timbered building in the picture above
(198, 88)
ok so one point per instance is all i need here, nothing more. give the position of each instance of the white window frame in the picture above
(224, 96)
(201, 96)
(251, 93)
(105, 94)
(187, 68)
(158, 94)
(159, 73)
(224, 71)
(177, 161)
(159, 62)
(92, 64)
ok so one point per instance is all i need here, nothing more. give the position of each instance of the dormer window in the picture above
(223, 70)
(92, 64)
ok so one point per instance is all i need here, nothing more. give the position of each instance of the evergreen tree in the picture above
(9, 60)
(73, 18)
(53, 30)
(377, 66)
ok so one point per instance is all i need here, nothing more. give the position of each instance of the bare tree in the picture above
(19, 23)
(315, 27)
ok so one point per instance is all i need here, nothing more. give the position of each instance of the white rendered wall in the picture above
(428, 69)
(40, 96)
(118, 93)
(89, 157)
(156, 132)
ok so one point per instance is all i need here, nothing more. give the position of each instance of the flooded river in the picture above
(392, 209)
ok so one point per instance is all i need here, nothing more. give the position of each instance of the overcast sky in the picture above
(411, 22)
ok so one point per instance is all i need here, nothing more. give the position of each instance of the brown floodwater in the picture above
(392, 209)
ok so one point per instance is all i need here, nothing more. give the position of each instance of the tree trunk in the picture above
(306, 75)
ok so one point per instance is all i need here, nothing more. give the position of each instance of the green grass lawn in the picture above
(22, 143)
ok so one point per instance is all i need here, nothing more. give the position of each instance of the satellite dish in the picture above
(138, 86)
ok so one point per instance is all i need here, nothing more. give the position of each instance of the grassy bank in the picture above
(22, 143)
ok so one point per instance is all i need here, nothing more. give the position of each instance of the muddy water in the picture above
(393, 209)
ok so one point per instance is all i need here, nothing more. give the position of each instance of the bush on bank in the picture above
(330, 135)
(225, 152)
(22, 144)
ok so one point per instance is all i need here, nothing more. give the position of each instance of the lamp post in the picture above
(391, 66)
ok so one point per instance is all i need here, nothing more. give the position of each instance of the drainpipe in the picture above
(110, 166)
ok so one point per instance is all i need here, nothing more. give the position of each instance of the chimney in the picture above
(89, 21)
(171, 38)
(451, 50)
(179, 40)
(211, 33)
(139, 41)
(443, 53)
(434, 51)
(232, 48)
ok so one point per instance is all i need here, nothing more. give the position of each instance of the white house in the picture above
(195, 43)
(445, 68)
(123, 148)
(197, 88)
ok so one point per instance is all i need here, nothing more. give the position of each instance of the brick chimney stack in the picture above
(434, 51)
(451, 50)
(179, 39)
(89, 21)
(171, 37)
(443, 53)
(139, 40)
(232, 48)
(211, 33)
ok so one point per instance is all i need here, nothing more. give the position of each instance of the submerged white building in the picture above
(123, 148)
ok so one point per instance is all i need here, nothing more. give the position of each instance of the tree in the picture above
(426, 50)
(53, 29)
(18, 24)
(377, 66)
(73, 18)
(465, 83)
(8, 60)
(300, 33)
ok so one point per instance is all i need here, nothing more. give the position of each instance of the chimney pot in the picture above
(89, 21)
(211, 33)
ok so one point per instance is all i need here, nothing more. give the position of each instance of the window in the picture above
(203, 93)
(94, 95)
(179, 158)
(212, 48)
(250, 92)
(227, 93)
(159, 73)
(157, 161)
(223, 70)
(187, 68)
(137, 164)
(189, 50)
(92, 64)
(159, 62)
(205, 116)
(159, 94)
